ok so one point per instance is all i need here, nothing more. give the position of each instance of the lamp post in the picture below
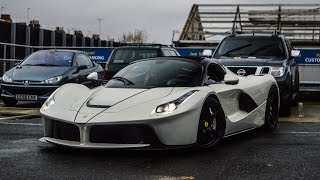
(99, 20)
(28, 13)
(173, 33)
(2, 7)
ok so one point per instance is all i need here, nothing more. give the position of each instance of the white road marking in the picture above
(294, 132)
(23, 124)
(15, 117)
(299, 120)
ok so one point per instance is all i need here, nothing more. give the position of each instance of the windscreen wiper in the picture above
(45, 64)
(236, 49)
(124, 80)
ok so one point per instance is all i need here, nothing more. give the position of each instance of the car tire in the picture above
(285, 109)
(296, 99)
(212, 124)
(272, 110)
(9, 102)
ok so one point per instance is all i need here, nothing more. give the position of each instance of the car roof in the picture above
(61, 50)
(144, 47)
(198, 60)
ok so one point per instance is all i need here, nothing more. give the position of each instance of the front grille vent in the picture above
(122, 134)
(65, 131)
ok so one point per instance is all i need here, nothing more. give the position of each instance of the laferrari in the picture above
(161, 103)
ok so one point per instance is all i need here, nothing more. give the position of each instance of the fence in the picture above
(98, 54)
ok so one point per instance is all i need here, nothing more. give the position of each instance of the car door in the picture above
(237, 99)
(84, 67)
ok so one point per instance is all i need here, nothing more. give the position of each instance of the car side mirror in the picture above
(295, 53)
(81, 67)
(207, 53)
(93, 76)
(231, 79)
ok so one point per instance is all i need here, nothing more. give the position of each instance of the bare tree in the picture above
(138, 36)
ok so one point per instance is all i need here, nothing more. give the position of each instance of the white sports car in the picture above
(163, 102)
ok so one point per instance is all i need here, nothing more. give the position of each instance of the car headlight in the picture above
(173, 105)
(50, 101)
(6, 78)
(53, 80)
(277, 71)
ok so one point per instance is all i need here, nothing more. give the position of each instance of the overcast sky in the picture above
(157, 17)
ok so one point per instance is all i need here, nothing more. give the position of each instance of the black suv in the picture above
(123, 56)
(247, 54)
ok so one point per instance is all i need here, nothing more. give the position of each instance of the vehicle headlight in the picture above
(6, 78)
(50, 101)
(173, 105)
(53, 80)
(277, 71)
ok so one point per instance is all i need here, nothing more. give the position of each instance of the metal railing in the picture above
(8, 60)
(298, 22)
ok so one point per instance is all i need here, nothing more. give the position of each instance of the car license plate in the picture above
(26, 97)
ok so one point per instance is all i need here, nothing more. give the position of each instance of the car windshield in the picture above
(49, 58)
(158, 73)
(244, 46)
(128, 55)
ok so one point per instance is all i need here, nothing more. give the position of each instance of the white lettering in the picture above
(312, 60)
(97, 58)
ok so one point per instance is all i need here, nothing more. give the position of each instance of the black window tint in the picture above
(83, 60)
(215, 72)
(160, 73)
(49, 58)
(251, 46)
(126, 56)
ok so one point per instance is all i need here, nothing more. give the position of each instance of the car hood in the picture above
(112, 100)
(35, 73)
(250, 62)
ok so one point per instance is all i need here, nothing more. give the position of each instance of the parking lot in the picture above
(291, 152)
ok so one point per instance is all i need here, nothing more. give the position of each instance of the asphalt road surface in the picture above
(291, 152)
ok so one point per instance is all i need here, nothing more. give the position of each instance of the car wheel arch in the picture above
(214, 97)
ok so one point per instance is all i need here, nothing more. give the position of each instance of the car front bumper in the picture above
(174, 132)
(9, 91)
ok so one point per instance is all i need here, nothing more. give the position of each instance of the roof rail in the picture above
(236, 32)
(274, 33)
(144, 45)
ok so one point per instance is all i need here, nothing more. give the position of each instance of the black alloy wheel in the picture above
(212, 124)
(272, 110)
